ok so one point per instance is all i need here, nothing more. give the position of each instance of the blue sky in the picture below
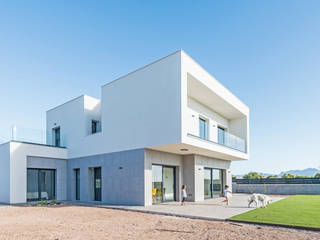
(266, 52)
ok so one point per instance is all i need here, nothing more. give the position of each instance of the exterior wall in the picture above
(60, 165)
(5, 173)
(202, 94)
(200, 163)
(121, 173)
(138, 110)
(18, 165)
(277, 189)
(189, 172)
(161, 158)
(92, 111)
(71, 120)
(196, 110)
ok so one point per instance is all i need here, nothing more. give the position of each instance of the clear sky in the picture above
(266, 52)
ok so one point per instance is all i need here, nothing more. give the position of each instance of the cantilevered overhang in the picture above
(223, 105)
(204, 148)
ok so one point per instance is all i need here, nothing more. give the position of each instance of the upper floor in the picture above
(171, 105)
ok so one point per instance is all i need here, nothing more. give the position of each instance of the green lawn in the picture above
(300, 210)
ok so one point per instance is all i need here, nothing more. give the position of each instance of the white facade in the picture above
(158, 108)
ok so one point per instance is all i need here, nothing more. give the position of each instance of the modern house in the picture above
(166, 124)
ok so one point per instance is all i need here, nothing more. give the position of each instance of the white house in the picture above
(167, 124)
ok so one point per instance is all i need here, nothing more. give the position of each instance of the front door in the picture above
(212, 183)
(97, 184)
(163, 184)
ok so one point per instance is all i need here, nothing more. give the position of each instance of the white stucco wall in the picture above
(71, 120)
(196, 110)
(18, 165)
(5, 173)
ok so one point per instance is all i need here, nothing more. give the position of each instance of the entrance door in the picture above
(212, 183)
(97, 184)
(163, 183)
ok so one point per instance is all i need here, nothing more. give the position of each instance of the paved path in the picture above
(213, 209)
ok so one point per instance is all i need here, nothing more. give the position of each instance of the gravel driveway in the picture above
(76, 222)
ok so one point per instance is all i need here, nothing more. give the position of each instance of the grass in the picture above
(299, 210)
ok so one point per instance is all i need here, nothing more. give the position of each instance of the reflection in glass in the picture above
(207, 183)
(168, 184)
(32, 185)
(40, 184)
(163, 183)
(156, 183)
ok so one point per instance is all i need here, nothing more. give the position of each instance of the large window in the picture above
(77, 177)
(203, 128)
(56, 137)
(41, 184)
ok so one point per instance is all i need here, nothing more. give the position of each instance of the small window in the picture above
(94, 126)
(56, 137)
(203, 128)
(77, 178)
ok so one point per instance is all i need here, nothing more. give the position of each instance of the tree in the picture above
(287, 175)
(252, 175)
(272, 176)
(317, 175)
(302, 177)
(234, 177)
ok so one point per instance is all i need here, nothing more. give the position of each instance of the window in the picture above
(94, 126)
(41, 184)
(56, 135)
(77, 177)
(203, 128)
(221, 135)
(97, 184)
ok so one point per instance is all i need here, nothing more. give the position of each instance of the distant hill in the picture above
(309, 172)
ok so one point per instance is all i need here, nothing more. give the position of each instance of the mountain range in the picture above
(308, 172)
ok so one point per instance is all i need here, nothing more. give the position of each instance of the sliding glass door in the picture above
(41, 184)
(212, 183)
(163, 183)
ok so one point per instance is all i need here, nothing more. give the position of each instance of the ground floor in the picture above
(76, 222)
(135, 177)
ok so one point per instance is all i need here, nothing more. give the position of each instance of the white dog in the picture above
(256, 197)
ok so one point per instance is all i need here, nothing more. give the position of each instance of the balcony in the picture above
(226, 139)
(34, 136)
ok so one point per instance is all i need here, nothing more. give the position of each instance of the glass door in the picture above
(216, 182)
(156, 184)
(163, 184)
(207, 183)
(47, 182)
(97, 184)
(41, 184)
(168, 184)
(212, 183)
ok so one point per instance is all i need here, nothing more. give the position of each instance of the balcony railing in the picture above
(228, 140)
(35, 136)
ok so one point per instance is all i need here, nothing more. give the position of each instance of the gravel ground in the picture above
(76, 222)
